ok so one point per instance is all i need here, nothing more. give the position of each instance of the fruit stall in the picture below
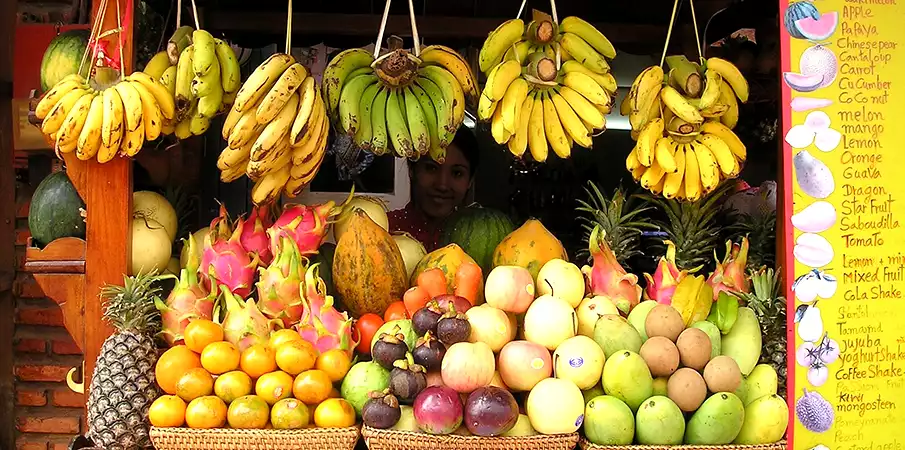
(648, 312)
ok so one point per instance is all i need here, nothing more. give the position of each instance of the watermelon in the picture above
(819, 29)
(797, 11)
(478, 231)
(55, 210)
(63, 57)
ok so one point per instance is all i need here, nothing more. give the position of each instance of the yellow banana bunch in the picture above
(276, 131)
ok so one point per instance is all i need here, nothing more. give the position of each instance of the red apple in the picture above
(468, 366)
(509, 288)
(523, 364)
(491, 326)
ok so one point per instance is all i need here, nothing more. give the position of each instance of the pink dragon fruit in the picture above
(253, 234)
(729, 275)
(244, 325)
(186, 302)
(225, 260)
(607, 278)
(306, 225)
(662, 285)
(279, 285)
(322, 325)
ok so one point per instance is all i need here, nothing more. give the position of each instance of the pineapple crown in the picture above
(616, 216)
(131, 307)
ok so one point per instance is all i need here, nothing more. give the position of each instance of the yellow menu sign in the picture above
(844, 158)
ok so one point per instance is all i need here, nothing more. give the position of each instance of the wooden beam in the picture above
(7, 225)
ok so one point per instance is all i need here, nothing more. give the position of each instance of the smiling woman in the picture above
(437, 190)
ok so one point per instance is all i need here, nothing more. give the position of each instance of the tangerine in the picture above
(336, 363)
(195, 383)
(334, 413)
(232, 385)
(206, 412)
(312, 386)
(249, 411)
(220, 357)
(167, 411)
(280, 337)
(295, 357)
(289, 414)
(200, 333)
(172, 365)
(274, 386)
(257, 360)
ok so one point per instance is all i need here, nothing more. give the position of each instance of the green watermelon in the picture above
(55, 210)
(63, 57)
(478, 231)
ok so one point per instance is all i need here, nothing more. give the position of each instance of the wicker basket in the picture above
(586, 445)
(232, 439)
(406, 440)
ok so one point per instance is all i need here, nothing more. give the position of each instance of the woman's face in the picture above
(440, 188)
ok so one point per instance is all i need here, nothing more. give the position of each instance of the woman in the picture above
(437, 190)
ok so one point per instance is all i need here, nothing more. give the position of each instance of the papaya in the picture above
(718, 421)
(368, 269)
(530, 246)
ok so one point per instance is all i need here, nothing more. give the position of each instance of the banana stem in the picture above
(417, 43)
(672, 22)
(383, 26)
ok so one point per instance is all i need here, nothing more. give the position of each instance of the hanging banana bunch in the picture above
(533, 105)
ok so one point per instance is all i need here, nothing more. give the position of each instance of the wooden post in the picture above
(108, 201)
(7, 224)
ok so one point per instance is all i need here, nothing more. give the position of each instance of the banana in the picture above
(303, 154)
(631, 161)
(229, 123)
(674, 179)
(437, 152)
(443, 99)
(652, 176)
(350, 101)
(157, 65)
(198, 124)
(518, 51)
(647, 141)
(151, 114)
(362, 137)
(261, 80)
(727, 97)
(315, 122)
(178, 42)
(582, 51)
(644, 96)
(586, 86)
(625, 107)
(183, 130)
(231, 157)
(537, 140)
(211, 104)
(512, 102)
(452, 61)
(134, 132)
(379, 138)
(246, 130)
(518, 143)
(707, 165)
(723, 155)
(504, 75)
(639, 172)
(499, 132)
(553, 129)
(486, 106)
(113, 127)
(584, 108)
(268, 188)
(339, 69)
(233, 172)
(692, 175)
(417, 123)
(498, 42)
(447, 83)
(205, 55)
(665, 155)
(55, 94)
(608, 82)
(711, 94)
(204, 85)
(570, 122)
(680, 105)
(90, 137)
(590, 34)
(162, 96)
(280, 93)
(55, 117)
(168, 80)
(725, 134)
(68, 134)
(184, 96)
(730, 74)
(230, 72)
(280, 157)
(276, 130)
(307, 105)
(396, 127)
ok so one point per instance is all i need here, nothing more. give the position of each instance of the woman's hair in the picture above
(467, 143)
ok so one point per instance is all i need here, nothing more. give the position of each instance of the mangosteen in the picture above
(429, 352)
(407, 379)
(426, 318)
(453, 327)
(389, 348)
(381, 410)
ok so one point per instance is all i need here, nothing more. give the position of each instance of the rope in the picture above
(92, 38)
(288, 29)
(178, 13)
(521, 9)
(697, 36)
(417, 44)
(119, 26)
(672, 22)
(556, 21)
(383, 26)
(195, 13)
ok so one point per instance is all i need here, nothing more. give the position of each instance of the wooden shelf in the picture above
(59, 269)
(66, 255)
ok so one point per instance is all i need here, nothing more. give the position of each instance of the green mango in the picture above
(614, 334)
(762, 382)
(717, 422)
(659, 422)
(626, 377)
(743, 342)
(638, 317)
(608, 421)
(713, 333)
(766, 420)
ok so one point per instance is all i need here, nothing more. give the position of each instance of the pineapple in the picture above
(616, 216)
(123, 386)
(760, 228)
(769, 305)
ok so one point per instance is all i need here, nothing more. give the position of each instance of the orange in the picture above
(274, 386)
(200, 333)
(173, 364)
(206, 412)
(296, 357)
(336, 363)
(232, 385)
(167, 411)
(289, 414)
(194, 383)
(334, 413)
(312, 386)
(249, 411)
(220, 357)
(283, 336)
(257, 360)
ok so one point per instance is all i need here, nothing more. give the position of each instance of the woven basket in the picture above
(586, 445)
(233, 439)
(406, 440)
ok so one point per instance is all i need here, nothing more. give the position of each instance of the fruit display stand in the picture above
(585, 445)
(228, 439)
(407, 440)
